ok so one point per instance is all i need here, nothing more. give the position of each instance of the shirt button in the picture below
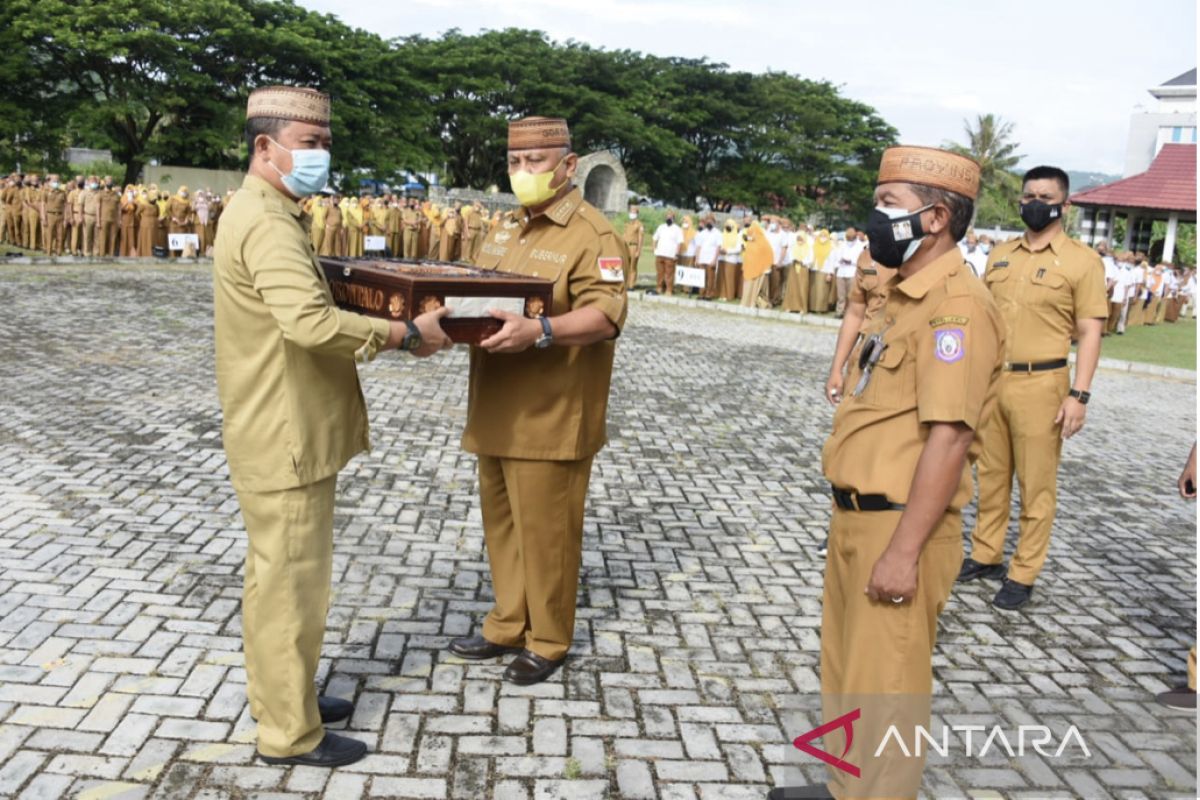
(522, 241)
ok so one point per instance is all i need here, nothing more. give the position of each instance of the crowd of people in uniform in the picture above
(409, 227)
(808, 269)
(93, 217)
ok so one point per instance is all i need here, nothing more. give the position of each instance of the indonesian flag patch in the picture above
(610, 270)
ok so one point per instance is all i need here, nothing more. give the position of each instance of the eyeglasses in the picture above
(872, 350)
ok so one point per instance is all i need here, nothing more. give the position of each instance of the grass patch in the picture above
(1168, 344)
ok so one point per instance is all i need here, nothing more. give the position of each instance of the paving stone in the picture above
(698, 625)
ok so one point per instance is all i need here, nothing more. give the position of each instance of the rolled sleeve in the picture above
(955, 363)
(588, 289)
(283, 274)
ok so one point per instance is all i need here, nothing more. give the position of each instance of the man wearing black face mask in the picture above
(922, 380)
(1050, 289)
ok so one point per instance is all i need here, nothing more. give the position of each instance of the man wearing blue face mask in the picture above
(293, 416)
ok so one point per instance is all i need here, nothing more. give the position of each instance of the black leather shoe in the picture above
(815, 791)
(1012, 595)
(1179, 697)
(972, 569)
(477, 648)
(333, 709)
(333, 751)
(529, 668)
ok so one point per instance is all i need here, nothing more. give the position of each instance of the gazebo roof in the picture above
(1168, 185)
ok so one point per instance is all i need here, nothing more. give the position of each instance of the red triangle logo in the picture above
(846, 721)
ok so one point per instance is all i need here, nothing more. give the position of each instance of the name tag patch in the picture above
(936, 321)
(949, 345)
(611, 270)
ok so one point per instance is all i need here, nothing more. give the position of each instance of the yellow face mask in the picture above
(533, 189)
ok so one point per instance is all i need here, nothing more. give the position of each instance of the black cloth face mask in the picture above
(894, 239)
(1038, 215)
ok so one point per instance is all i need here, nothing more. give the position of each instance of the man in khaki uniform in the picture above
(293, 416)
(333, 228)
(899, 462)
(394, 237)
(54, 208)
(109, 209)
(1050, 290)
(180, 215)
(10, 197)
(634, 237)
(410, 222)
(318, 209)
(91, 212)
(73, 219)
(538, 400)
(31, 204)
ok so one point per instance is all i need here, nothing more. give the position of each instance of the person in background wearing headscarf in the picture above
(180, 214)
(147, 224)
(200, 221)
(820, 274)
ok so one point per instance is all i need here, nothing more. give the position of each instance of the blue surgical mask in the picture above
(310, 170)
(986, 248)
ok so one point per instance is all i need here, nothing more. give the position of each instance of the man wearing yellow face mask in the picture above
(538, 400)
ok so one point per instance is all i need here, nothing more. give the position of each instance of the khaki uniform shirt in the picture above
(550, 404)
(410, 218)
(317, 212)
(293, 410)
(90, 200)
(945, 341)
(634, 233)
(31, 198)
(74, 203)
(55, 201)
(1043, 293)
(870, 285)
(108, 201)
(179, 210)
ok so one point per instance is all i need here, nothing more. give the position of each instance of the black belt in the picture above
(1040, 366)
(848, 500)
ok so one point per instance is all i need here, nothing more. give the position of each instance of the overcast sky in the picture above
(1068, 73)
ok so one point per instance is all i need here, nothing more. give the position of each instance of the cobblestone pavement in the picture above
(121, 550)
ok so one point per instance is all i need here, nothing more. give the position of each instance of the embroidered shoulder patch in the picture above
(610, 269)
(949, 345)
(936, 321)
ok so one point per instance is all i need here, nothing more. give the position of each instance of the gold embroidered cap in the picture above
(930, 166)
(535, 133)
(289, 102)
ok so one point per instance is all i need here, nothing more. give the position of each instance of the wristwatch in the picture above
(1080, 395)
(547, 336)
(412, 339)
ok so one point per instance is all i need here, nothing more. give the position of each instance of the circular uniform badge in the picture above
(949, 345)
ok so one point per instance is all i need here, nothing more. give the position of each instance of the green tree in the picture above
(990, 143)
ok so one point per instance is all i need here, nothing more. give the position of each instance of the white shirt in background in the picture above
(707, 242)
(667, 240)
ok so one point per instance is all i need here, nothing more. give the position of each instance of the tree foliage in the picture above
(168, 80)
(990, 142)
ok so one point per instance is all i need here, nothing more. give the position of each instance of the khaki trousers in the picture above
(317, 235)
(1020, 437)
(54, 234)
(32, 227)
(89, 235)
(710, 280)
(409, 242)
(878, 655)
(664, 269)
(289, 563)
(1114, 317)
(1152, 310)
(844, 285)
(329, 241)
(533, 527)
(728, 278)
(106, 238)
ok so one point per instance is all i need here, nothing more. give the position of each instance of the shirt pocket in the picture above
(1051, 289)
(891, 379)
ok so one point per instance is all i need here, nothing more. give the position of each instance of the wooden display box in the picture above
(403, 289)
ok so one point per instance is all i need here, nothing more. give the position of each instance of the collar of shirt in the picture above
(560, 213)
(918, 285)
(1057, 244)
(257, 184)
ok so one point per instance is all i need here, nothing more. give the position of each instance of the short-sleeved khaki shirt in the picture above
(293, 410)
(945, 341)
(550, 404)
(1042, 293)
(870, 285)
